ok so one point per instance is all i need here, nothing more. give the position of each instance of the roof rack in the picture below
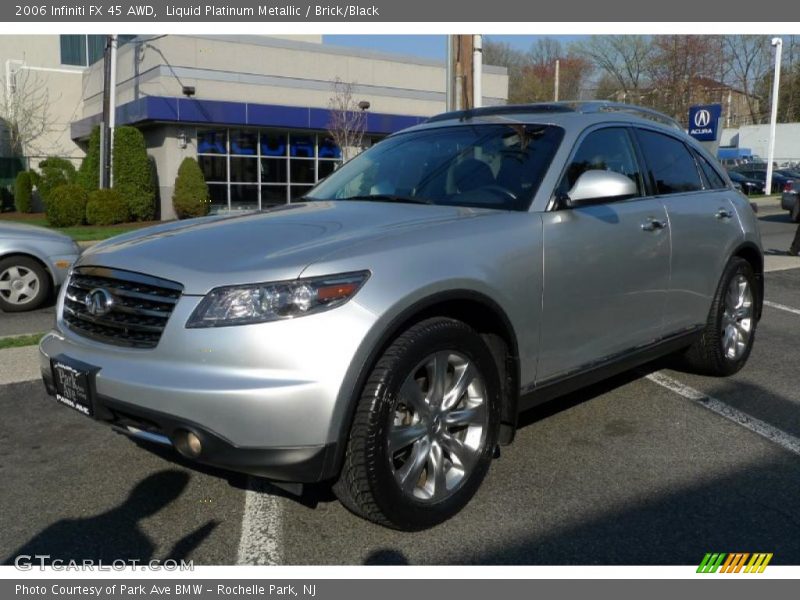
(504, 109)
(586, 107)
(639, 111)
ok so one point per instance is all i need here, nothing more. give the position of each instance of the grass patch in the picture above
(20, 341)
(80, 233)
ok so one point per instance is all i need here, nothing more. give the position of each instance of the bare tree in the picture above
(347, 121)
(749, 60)
(623, 58)
(25, 112)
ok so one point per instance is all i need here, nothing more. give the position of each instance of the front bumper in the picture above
(261, 398)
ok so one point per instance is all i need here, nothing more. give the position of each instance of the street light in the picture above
(778, 43)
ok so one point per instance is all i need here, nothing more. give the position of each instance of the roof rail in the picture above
(639, 111)
(504, 109)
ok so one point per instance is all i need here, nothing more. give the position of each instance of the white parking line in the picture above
(782, 307)
(260, 541)
(765, 430)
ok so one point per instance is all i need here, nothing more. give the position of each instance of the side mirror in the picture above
(597, 185)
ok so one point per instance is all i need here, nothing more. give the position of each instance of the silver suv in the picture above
(385, 333)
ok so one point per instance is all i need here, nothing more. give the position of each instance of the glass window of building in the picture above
(85, 50)
(250, 169)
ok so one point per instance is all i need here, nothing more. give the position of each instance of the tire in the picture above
(427, 424)
(730, 330)
(24, 284)
(794, 214)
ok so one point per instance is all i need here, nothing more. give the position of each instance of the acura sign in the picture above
(704, 122)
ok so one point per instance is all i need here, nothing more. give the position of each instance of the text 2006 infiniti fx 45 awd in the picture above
(385, 333)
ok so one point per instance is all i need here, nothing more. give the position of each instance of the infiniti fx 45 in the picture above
(384, 333)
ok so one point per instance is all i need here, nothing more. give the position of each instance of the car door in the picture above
(702, 220)
(606, 265)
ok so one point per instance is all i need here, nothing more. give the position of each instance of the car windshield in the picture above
(484, 166)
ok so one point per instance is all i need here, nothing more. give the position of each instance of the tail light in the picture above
(787, 187)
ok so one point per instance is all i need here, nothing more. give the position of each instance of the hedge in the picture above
(23, 190)
(191, 198)
(66, 205)
(132, 173)
(106, 207)
(89, 172)
(55, 172)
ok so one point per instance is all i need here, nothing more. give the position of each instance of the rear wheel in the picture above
(425, 428)
(728, 337)
(24, 284)
(795, 212)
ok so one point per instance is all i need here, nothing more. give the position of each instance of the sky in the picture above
(427, 46)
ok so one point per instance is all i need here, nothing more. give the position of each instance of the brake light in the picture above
(787, 187)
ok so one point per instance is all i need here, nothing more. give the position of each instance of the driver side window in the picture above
(606, 150)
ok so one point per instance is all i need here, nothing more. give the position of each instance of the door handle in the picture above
(723, 214)
(653, 224)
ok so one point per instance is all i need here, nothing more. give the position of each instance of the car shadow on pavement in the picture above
(115, 534)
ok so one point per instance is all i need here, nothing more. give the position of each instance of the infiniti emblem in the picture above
(98, 302)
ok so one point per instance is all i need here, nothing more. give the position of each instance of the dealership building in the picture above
(257, 116)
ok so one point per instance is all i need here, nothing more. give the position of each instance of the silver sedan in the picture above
(33, 260)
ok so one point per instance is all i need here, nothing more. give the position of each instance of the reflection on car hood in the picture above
(268, 246)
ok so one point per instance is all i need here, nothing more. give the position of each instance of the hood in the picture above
(22, 231)
(273, 245)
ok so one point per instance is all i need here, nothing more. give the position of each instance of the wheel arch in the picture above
(473, 308)
(42, 263)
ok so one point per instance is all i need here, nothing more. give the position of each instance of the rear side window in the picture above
(607, 149)
(713, 180)
(672, 168)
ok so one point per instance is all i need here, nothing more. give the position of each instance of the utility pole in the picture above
(450, 75)
(109, 110)
(477, 71)
(778, 43)
(555, 92)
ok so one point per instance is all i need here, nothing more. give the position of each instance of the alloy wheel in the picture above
(18, 285)
(737, 317)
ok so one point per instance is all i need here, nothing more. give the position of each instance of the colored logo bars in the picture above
(735, 562)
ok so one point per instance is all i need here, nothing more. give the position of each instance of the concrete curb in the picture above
(19, 364)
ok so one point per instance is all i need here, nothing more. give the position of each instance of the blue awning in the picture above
(153, 109)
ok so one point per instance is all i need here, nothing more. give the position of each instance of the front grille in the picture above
(135, 308)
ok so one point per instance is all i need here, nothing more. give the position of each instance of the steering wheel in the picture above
(499, 190)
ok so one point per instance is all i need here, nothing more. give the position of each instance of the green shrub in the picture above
(23, 189)
(106, 207)
(190, 198)
(132, 176)
(89, 172)
(55, 172)
(66, 206)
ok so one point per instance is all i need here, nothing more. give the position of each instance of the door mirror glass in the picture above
(596, 185)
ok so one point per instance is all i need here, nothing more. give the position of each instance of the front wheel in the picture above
(425, 428)
(24, 284)
(728, 337)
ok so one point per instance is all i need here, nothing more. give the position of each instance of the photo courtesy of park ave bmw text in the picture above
(332, 300)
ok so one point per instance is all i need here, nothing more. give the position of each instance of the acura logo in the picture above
(98, 302)
(702, 118)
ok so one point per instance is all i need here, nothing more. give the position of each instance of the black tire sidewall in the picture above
(401, 510)
(44, 283)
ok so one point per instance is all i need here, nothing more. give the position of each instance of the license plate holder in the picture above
(74, 384)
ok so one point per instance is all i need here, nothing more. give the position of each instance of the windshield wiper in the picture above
(390, 198)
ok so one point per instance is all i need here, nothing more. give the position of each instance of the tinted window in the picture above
(713, 179)
(672, 168)
(490, 166)
(605, 150)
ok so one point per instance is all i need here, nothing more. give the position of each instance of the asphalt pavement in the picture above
(625, 472)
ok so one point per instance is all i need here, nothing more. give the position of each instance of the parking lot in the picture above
(656, 466)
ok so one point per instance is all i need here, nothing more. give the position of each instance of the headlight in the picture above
(261, 302)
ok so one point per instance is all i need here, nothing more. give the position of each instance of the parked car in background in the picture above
(33, 261)
(746, 185)
(779, 182)
(789, 199)
(385, 334)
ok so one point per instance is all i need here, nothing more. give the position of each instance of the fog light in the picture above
(188, 444)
